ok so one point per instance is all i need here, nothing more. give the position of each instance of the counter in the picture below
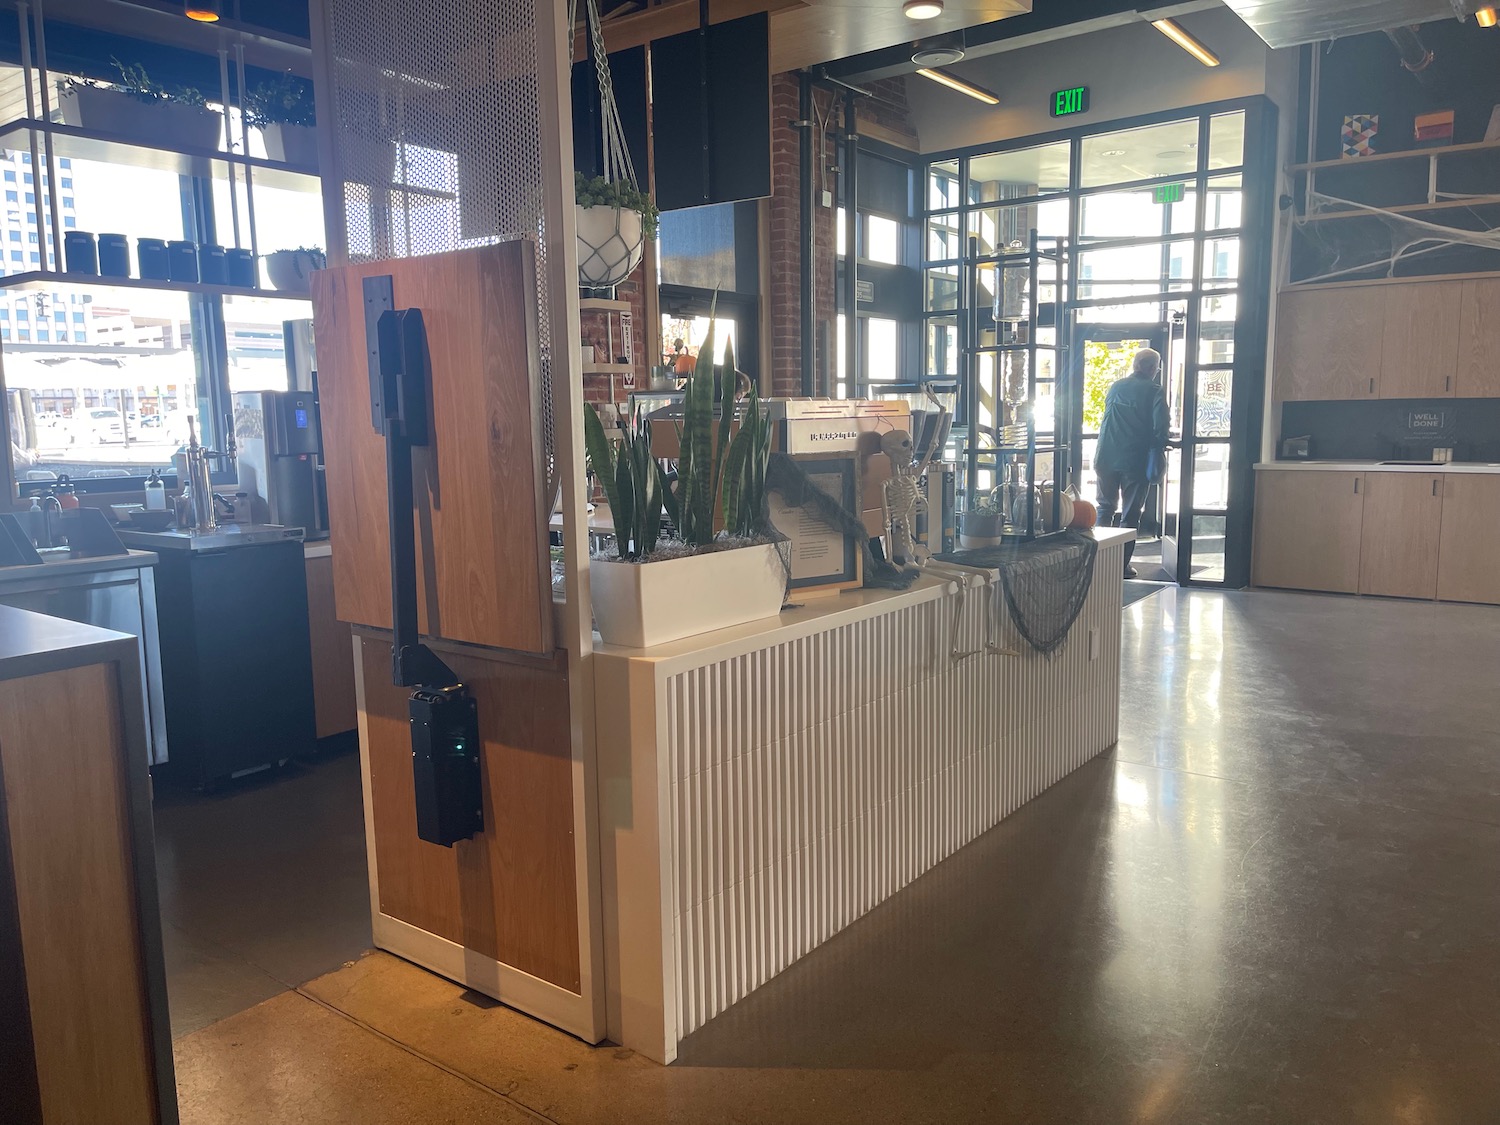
(1459, 467)
(82, 980)
(117, 592)
(762, 787)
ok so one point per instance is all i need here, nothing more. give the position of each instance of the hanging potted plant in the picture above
(283, 112)
(178, 116)
(660, 589)
(614, 217)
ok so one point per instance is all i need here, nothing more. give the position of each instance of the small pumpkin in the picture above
(1085, 515)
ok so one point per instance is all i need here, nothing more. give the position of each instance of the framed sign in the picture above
(823, 558)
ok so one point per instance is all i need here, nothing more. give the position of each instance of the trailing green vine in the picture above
(596, 191)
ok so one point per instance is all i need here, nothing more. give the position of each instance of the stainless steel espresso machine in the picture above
(280, 442)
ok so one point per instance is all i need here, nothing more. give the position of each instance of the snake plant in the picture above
(727, 467)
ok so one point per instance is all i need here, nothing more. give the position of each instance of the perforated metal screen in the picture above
(437, 138)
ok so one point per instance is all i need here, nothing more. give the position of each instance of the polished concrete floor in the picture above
(1278, 901)
(263, 885)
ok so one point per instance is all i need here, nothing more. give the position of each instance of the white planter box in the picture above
(172, 124)
(292, 144)
(641, 605)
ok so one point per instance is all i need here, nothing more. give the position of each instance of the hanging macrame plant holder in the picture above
(611, 240)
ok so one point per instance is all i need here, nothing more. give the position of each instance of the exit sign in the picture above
(1065, 103)
(1167, 193)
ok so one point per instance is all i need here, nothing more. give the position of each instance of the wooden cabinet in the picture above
(1403, 516)
(1469, 547)
(1478, 360)
(1307, 529)
(1328, 343)
(1419, 349)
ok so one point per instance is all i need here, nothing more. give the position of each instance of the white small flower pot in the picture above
(611, 243)
(641, 605)
(290, 271)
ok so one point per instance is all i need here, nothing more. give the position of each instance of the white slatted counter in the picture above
(764, 786)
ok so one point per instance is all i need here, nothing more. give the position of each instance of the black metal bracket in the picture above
(444, 717)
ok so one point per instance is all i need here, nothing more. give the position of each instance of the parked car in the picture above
(98, 425)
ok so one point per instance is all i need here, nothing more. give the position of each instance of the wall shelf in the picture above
(1405, 209)
(40, 279)
(608, 368)
(87, 144)
(1437, 152)
(602, 304)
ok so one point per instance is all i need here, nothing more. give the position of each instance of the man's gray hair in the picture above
(1147, 362)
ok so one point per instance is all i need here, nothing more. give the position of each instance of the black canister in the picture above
(212, 269)
(241, 267)
(151, 256)
(182, 261)
(80, 252)
(114, 255)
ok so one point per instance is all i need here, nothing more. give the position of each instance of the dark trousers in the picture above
(1121, 498)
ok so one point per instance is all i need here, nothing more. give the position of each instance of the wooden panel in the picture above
(62, 753)
(1479, 340)
(332, 654)
(1469, 548)
(1403, 520)
(1328, 343)
(1420, 342)
(510, 893)
(22, 1099)
(483, 567)
(1307, 530)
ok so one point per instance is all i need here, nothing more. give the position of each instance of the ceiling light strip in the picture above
(1174, 31)
(943, 78)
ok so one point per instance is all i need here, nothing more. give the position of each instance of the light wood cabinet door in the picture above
(1328, 343)
(1479, 339)
(1307, 529)
(1398, 555)
(1419, 352)
(1469, 548)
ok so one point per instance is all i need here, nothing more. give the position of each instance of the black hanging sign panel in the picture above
(711, 113)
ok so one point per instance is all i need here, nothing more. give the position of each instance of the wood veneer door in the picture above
(1307, 529)
(62, 757)
(1469, 548)
(510, 893)
(1479, 339)
(1328, 343)
(483, 567)
(1402, 524)
(1420, 341)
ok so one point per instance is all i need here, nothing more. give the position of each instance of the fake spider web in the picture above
(1375, 241)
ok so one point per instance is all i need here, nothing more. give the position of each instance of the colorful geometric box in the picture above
(1358, 134)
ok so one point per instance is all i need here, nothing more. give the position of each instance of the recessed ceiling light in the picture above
(1169, 153)
(938, 56)
(1173, 31)
(1113, 152)
(204, 11)
(922, 9)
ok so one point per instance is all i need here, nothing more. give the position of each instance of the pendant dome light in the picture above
(922, 9)
(204, 11)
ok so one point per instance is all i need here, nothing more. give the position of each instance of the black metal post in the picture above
(851, 244)
(808, 239)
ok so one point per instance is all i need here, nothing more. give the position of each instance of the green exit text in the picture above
(1068, 102)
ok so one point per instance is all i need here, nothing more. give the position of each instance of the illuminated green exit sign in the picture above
(1167, 193)
(1068, 102)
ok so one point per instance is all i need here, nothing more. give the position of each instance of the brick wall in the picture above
(889, 113)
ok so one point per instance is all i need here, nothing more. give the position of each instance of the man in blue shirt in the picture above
(1135, 425)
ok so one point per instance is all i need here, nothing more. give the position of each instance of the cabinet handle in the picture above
(1435, 483)
(1447, 382)
(1372, 384)
(1356, 486)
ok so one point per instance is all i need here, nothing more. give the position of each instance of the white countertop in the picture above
(1382, 467)
(820, 614)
